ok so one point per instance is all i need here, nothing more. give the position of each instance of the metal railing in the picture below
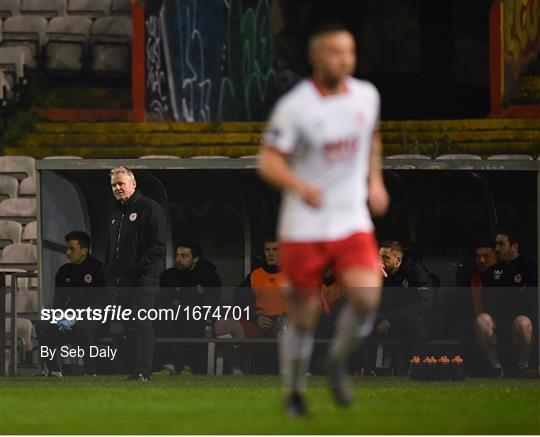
(13, 320)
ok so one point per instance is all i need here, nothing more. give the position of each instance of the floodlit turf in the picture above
(252, 405)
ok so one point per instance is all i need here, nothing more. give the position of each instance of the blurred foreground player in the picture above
(322, 148)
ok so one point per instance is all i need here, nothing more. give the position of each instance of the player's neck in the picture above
(327, 88)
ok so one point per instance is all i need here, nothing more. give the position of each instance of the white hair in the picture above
(122, 170)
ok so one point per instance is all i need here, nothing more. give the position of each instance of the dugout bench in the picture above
(215, 352)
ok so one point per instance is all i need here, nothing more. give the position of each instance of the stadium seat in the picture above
(8, 187)
(18, 209)
(7, 88)
(408, 156)
(13, 60)
(512, 157)
(22, 283)
(10, 232)
(23, 253)
(24, 330)
(210, 157)
(89, 8)
(110, 45)
(9, 8)
(121, 7)
(17, 166)
(27, 188)
(26, 301)
(26, 31)
(67, 43)
(63, 157)
(159, 157)
(6, 91)
(45, 8)
(29, 234)
(459, 156)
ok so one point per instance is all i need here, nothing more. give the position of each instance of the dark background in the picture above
(429, 59)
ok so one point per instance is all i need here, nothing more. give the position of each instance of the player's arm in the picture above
(275, 170)
(378, 198)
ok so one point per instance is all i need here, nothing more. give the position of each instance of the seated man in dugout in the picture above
(79, 284)
(462, 312)
(192, 283)
(406, 303)
(262, 292)
(485, 257)
(471, 283)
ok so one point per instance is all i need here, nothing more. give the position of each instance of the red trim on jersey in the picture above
(324, 93)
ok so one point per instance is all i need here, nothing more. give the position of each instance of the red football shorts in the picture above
(304, 263)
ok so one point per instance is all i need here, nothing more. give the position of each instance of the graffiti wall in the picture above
(209, 60)
(521, 38)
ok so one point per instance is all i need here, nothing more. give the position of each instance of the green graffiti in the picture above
(250, 88)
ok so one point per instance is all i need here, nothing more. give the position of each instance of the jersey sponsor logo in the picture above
(405, 283)
(133, 217)
(497, 274)
(518, 278)
(88, 278)
(341, 150)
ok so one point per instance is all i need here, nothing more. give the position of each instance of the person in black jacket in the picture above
(407, 298)
(79, 284)
(192, 282)
(510, 300)
(134, 259)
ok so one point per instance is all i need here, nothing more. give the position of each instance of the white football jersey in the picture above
(327, 140)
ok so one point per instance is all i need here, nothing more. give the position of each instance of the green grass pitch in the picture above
(252, 405)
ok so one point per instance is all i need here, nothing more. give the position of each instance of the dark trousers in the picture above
(138, 334)
(84, 333)
(193, 355)
(411, 327)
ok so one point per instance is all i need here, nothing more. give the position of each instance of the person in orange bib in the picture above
(262, 292)
(331, 295)
(331, 300)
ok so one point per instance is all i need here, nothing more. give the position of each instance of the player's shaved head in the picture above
(332, 53)
(391, 253)
(325, 31)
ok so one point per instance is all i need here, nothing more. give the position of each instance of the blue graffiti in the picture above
(219, 60)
